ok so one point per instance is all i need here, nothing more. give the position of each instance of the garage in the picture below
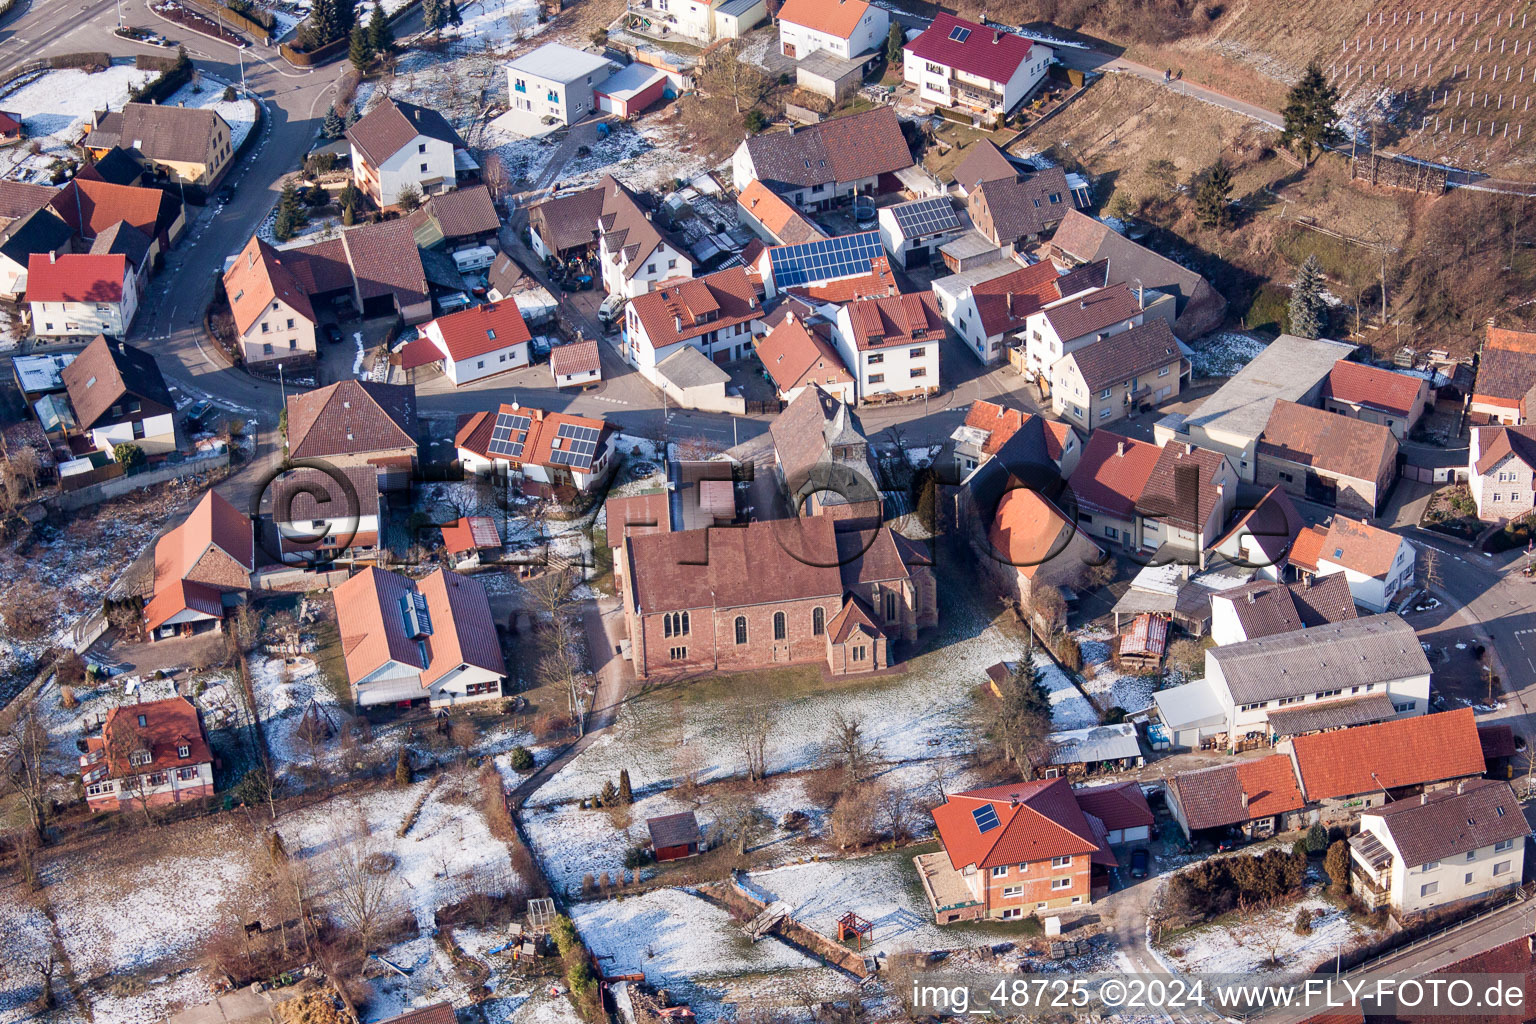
(631, 91)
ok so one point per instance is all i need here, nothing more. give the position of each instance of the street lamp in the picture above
(240, 51)
(281, 390)
(119, 13)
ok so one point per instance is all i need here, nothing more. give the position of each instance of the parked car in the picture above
(197, 412)
(1139, 862)
(332, 334)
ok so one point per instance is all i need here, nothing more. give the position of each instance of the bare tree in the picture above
(724, 73)
(687, 765)
(128, 750)
(738, 822)
(45, 966)
(894, 812)
(854, 816)
(749, 730)
(553, 593)
(1429, 569)
(363, 884)
(849, 748)
(26, 770)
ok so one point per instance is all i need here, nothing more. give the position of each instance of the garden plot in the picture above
(1223, 353)
(1251, 945)
(55, 109)
(207, 93)
(434, 978)
(1106, 685)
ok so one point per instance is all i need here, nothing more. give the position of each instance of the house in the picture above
(203, 568)
(1014, 851)
(480, 341)
(118, 395)
(148, 754)
(575, 364)
(1186, 500)
(430, 640)
(634, 515)
(635, 255)
(123, 239)
(1264, 608)
(1232, 418)
(461, 219)
(850, 29)
(189, 146)
(797, 355)
(1452, 846)
(992, 301)
(546, 450)
(399, 146)
(39, 232)
(1506, 373)
(1059, 328)
(273, 314)
(717, 315)
(825, 163)
(1032, 545)
(435, 1013)
(315, 523)
(387, 274)
(115, 166)
(1199, 308)
(692, 381)
(891, 345)
(81, 294)
(1263, 537)
(1107, 482)
(985, 162)
(1501, 471)
(699, 21)
(1370, 393)
(969, 251)
(632, 91)
(1012, 213)
(1330, 676)
(91, 207)
(1327, 458)
(1125, 373)
(914, 232)
(467, 537)
(565, 225)
(772, 219)
(554, 85)
(1346, 772)
(357, 423)
(1259, 797)
(957, 63)
(772, 592)
(1378, 564)
(828, 270)
(988, 427)
(674, 836)
(506, 279)
(823, 461)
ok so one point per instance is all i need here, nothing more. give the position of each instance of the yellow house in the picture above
(184, 144)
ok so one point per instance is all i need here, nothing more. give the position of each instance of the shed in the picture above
(969, 251)
(575, 364)
(631, 91)
(1193, 713)
(674, 836)
(466, 537)
(1142, 647)
(693, 382)
(826, 74)
(735, 18)
(1084, 749)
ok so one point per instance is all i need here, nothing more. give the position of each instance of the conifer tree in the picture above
(1308, 312)
(1310, 112)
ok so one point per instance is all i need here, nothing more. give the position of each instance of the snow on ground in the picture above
(1069, 708)
(208, 94)
(572, 843)
(1223, 353)
(27, 931)
(1245, 946)
(56, 108)
(1103, 682)
(493, 23)
(673, 935)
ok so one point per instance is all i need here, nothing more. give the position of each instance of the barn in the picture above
(674, 836)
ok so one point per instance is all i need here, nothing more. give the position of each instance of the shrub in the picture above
(1337, 866)
(1317, 838)
(1184, 655)
(403, 767)
(67, 699)
(755, 121)
(1299, 847)
(1214, 887)
(795, 821)
(1303, 922)
(229, 94)
(521, 759)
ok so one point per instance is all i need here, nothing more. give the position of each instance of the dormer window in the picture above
(143, 722)
(183, 751)
(138, 758)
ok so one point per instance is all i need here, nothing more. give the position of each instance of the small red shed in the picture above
(631, 91)
(674, 836)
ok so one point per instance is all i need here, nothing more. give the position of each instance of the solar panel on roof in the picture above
(986, 818)
(824, 259)
(508, 434)
(959, 34)
(926, 216)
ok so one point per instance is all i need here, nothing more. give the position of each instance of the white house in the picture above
(118, 395)
(1501, 471)
(80, 295)
(986, 304)
(845, 28)
(575, 364)
(891, 345)
(396, 146)
(320, 519)
(820, 164)
(633, 252)
(913, 232)
(553, 86)
(407, 641)
(1378, 564)
(957, 63)
(1266, 608)
(717, 314)
(699, 21)
(1066, 325)
(1417, 854)
(272, 310)
(547, 450)
(479, 342)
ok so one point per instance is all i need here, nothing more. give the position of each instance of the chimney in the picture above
(1461, 785)
(1423, 799)
(52, 256)
(1119, 449)
(418, 113)
(789, 316)
(1243, 796)
(1141, 296)
(1250, 597)
(1082, 303)
(1189, 449)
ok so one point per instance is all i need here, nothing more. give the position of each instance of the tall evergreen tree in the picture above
(1308, 312)
(1212, 196)
(349, 200)
(895, 43)
(333, 127)
(332, 20)
(380, 35)
(290, 217)
(1309, 113)
(359, 52)
(435, 14)
(454, 17)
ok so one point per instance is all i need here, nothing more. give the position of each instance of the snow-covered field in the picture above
(1246, 946)
(55, 109)
(1223, 353)
(1106, 685)
(208, 94)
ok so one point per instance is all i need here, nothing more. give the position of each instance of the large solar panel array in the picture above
(926, 216)
(986, 818)
(574, 446)
(825, 259)
(503, 441)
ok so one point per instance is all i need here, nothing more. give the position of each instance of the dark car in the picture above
(1139, 861)
(333, 334)
(197, 412)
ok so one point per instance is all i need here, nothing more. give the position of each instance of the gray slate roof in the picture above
(1331, 656)
(1288, 368)
(1446, 824)
(690, 368)
(1332, 714)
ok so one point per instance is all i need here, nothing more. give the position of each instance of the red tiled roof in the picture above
(855, 615)
(474, 433)
(1036, 821)
(1497, 442)
(1308, 548)
(1028, 530)
(848, 148)
(384, 130)
(1356, 544)
(1212, 797)
(795, 355)
(214, 524)
(470, 533)
(765, 561)
(636, 515)
(1506, 367)
(683, 309)
(999, 422)
(168, 724)
(1373, 386)
(480, 329)
(1093, 312)
(1112, 472)
(257, 277)
(1327, 441)
(373, 629)
(895, 320)
(90, 207)
(834, 17)
(1119, 807)
(1004, 303)
(782, 220)
(878, 282)
(1405, 752)
(574, 357)
(351, 418)
(76, 277)
(990, 53)
(627, 228)
(1160, 497)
